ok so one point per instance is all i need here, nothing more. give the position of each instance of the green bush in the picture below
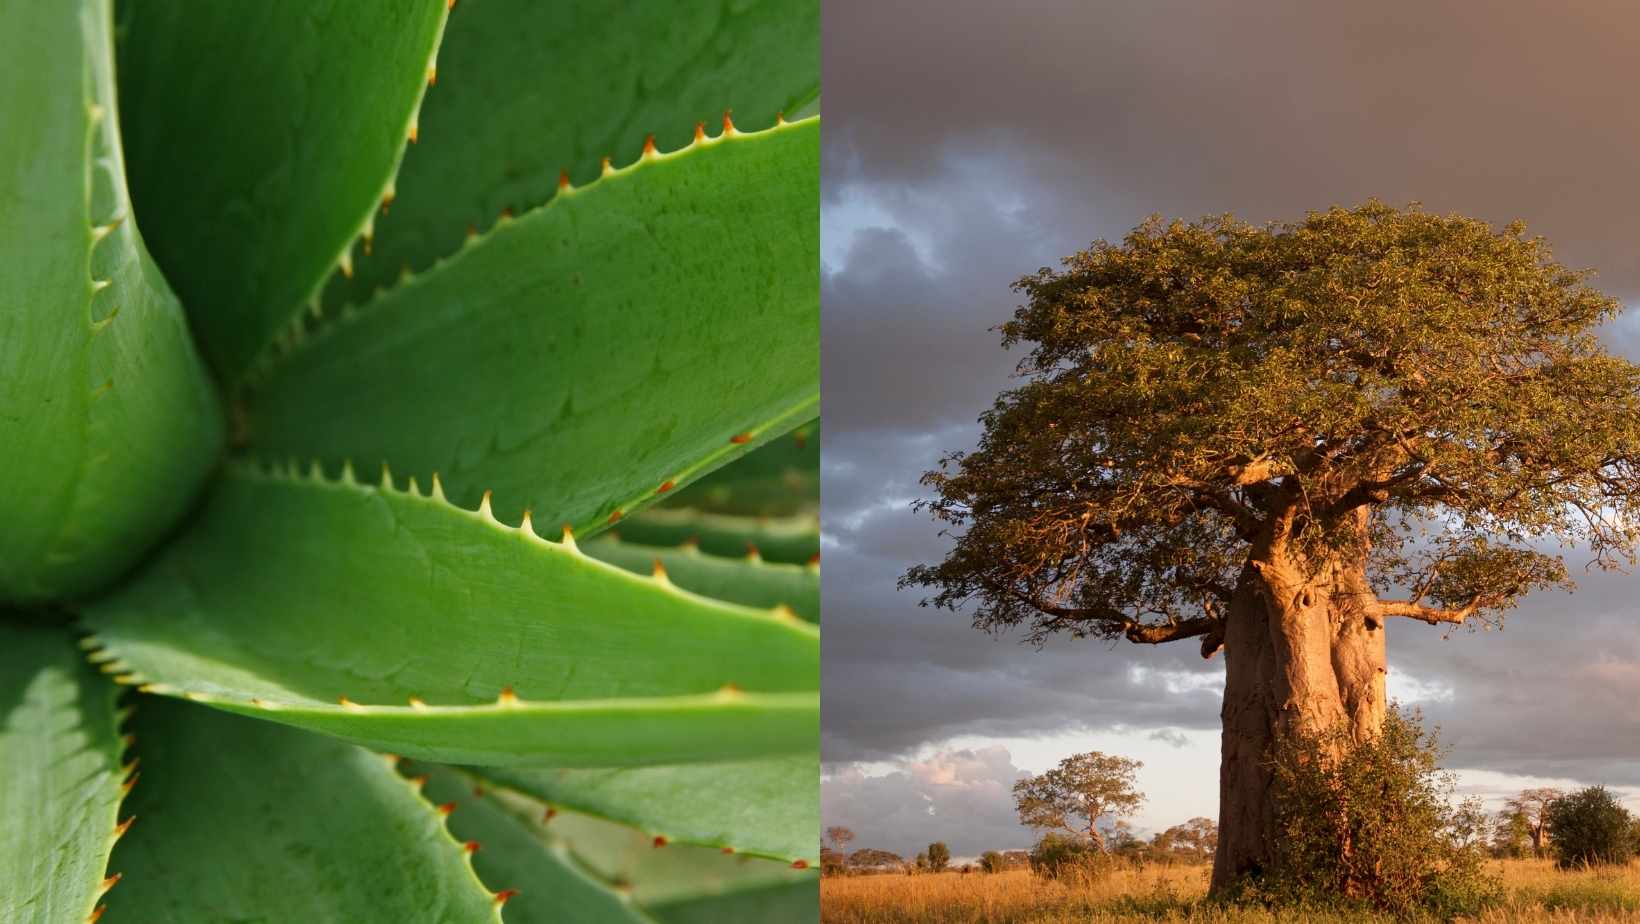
(1590, 828)
(1057, 855)
(1373, 829)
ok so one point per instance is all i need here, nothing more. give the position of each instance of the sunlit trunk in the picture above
(1300, 655)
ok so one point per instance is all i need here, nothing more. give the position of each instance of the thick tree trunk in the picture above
(1301, 654)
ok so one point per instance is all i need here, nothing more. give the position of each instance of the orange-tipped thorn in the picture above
(506, 213)
(446, 808)
(450, 5)
(125, 790)
(417, 704)
(728, 123)
(666, 486)
(814, 559)
(549, 814)
(387, 201)
(97, 914)
(563, 179)
(800, 864)
(752, 552)
(649, 146)
(728, 850)
(606, 169)
(700, 132)
(780, 118)
(740, 438)
(418, 781)
(507, 697)
(346, 703)
(502, 897)
(412, 133)
(432, 75)
(660, 840)
(122, 827)
(111, 882)
(471, 846)
(615, 517)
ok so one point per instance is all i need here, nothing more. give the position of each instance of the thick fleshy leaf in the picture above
(261, 138)
(781, 479)
(108, 423)
(250, 821)
(794, 902)
(512, 853)
(794, 539)
(526, 89)
(748, 580)
(668, 881)
(402, 622)
(60, 778)
(586, 358)
(767, 808)
(672, 876)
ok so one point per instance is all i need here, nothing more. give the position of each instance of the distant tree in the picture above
(869, 858)
(920, 864)
(992, 862)
(840, 837)
(1590, 828)
(1250, 436)
(1075, 795)
(939, 856)
(1512, 834)
(1533, 806)
(832, 862)
(1194, 840)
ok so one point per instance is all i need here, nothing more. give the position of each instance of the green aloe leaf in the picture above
(766, 808)
(747, 580)
(436, 632)
(588, 357)
(60, 778)
(249, 821)
(261, 138)
(680, 882)
(526, 89)
(108, 423)
(794, 902)
(793, 539)
(511, 853)
(781, 479)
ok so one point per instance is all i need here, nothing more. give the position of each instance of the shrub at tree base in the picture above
(1057, 856)
(1372, 828)
(1590, 828)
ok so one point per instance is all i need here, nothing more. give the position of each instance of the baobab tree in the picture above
(1276, 441)
(1533, 806)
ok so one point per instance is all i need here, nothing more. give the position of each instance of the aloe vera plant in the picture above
(332, 337)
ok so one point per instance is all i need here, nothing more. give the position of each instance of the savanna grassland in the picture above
(1535, 889)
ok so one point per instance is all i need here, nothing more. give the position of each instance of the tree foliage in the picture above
(939, 856)
(1590, 828)
(1201, 385)
(1072, 797)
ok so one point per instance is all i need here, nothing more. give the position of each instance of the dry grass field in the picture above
(1536, 892)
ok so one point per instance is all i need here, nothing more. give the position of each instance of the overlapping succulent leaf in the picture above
(108, 423)
(437, 632)
(611, 345)
(62, 775)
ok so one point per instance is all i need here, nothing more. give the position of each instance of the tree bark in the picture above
(1302, 654)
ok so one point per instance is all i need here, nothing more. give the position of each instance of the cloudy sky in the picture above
(968, 146)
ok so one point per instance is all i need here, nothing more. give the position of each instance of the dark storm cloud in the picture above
(968, 143)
